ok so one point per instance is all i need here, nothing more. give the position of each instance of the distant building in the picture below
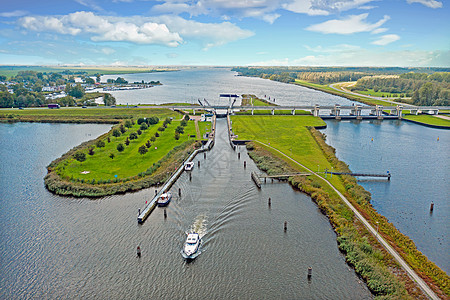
(206, 117)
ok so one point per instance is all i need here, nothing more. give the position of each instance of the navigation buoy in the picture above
(165, 214)
(179, 191)
(190, 176)
(309, 272)
(431, 207)
(245, 164)
(270, 202)
(239, 155)
(139, 211)
(138, 251)
(198, 164)
(156, 192)
(285, 226)
(372, 139)
(204, 155)
(438, 138)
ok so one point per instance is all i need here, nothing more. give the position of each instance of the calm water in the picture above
(59, 247)
(420, 166)
(192, 84)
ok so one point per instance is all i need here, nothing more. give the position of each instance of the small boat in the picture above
(191, 246)
(189, 166)
(164, 199)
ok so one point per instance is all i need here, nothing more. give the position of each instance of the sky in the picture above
(399, 33)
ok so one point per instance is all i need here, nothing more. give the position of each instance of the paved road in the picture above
(425, 288)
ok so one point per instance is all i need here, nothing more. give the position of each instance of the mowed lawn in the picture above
(428, 119)
(129, 162)
(288, 134)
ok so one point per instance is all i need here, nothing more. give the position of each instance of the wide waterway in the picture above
(65, 248)
(418, 159)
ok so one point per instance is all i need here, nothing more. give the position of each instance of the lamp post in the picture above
(377, 230)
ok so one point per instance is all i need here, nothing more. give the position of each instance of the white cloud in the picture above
(429, 3)
(13, 14)
(333, 49)
(365, 57)
(211, 34)
(338, 5)
(305, 7)
(261, 9)
(103, 29)
(349, 25)
(164, 30)
(386, 39)
(379, 30)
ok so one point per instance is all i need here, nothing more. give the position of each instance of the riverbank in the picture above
(352, 236)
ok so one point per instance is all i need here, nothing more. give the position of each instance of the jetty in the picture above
(387, 175)
(168, 184)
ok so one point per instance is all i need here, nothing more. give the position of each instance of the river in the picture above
(65, 248)
(418, 159)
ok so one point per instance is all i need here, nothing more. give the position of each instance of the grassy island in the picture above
(296, 137)
(136, 153)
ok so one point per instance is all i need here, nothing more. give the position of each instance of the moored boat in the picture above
(164, 199)
(189, 166)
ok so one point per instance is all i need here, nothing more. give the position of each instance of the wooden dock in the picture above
(256, 179)
(387, 175)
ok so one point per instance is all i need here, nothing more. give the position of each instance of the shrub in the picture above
(100, 144)
(129, 123)
(139, 132)
(183, 123)
(162, 128)
(122, 128)
(140, 121)
(127, 141)
(80, 156)
(91, 151)
(177, 136)
(144, 126)
(179, 129)
(116, 133)
(152, 120)
(153, 138)
(111, 155)
(133, 136)
(120, 147)
(148, 144)
(156, 134)
(186, 117)
(142, 149)
(109, 140)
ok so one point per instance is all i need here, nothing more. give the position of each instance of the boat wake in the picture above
(198, 228)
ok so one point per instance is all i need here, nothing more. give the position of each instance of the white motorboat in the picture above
(189, 166)
(191, 246)
(164, 199)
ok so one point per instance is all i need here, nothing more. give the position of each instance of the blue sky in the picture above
(226, 32)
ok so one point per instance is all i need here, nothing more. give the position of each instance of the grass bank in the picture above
(108, 170)
(82, 115)
(434, 121)
(379, 270)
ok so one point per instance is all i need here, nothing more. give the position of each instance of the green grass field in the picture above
(371, 92)
(129, 162)
(428, 119)
(287, 134)
(84, 114)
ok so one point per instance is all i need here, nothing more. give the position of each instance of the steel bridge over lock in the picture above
(326, 112)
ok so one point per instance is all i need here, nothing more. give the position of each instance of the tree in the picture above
(186, 117)
(108, 99)
(133, 136)
(97, 77)
(139, 132)
(76, 91)
(122, 128)
(153, 138)
(111, 155)
(152, 120)
(80, 156)
(177, 136)
(100, 144)
(140, 121)
(120, 147)
(127, 141)
(91, 151)
(179, 129)
(128, 123)
(120, 80)
(144, 126)
(148, 144)
(161, 128)
(116, 133)
(156, 134)
(183, 123)
(142, 149)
